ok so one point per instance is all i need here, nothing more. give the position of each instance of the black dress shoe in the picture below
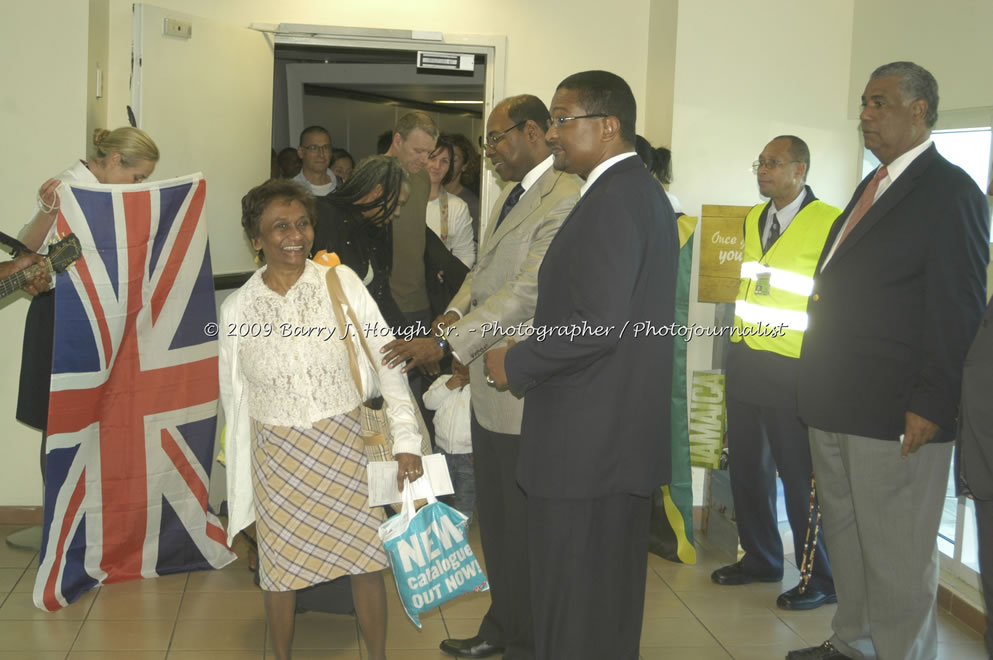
(825, 651)
(473, 647)
(737, 574)
(810, 599)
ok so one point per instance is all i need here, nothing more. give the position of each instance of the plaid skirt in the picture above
(312, 511)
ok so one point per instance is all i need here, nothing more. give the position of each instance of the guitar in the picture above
(60, 256)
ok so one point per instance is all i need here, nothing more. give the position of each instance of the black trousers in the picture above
(762, 439)
(503, 529)
(589, 560)
(36, 362)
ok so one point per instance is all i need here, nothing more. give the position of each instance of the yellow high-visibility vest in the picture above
(775, 321)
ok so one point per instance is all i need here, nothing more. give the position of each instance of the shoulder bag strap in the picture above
(443, 214)
(338, 300)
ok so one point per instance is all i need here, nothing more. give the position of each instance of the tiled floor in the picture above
(219, 616)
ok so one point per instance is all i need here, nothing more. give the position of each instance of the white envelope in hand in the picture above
(383, 480)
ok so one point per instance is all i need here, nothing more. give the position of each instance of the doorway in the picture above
(358, 93)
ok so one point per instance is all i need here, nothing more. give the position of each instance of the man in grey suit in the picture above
(975, 449)
(498, 297)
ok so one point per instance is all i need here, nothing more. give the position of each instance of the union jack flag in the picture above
(133, 406)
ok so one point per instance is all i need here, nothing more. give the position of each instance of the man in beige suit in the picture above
(496, 300)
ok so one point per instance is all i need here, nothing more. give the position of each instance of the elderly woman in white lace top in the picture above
(296, 461)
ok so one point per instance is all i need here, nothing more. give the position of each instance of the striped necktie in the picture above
(773, 233)
(511, 202)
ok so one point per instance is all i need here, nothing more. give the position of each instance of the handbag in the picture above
(376, 434)
(430, 555)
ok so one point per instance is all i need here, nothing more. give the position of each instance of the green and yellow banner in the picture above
(671, 534)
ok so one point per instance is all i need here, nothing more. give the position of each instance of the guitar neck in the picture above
(12, 283)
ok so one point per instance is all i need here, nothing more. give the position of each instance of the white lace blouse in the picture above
(296, 370)
(307, 305)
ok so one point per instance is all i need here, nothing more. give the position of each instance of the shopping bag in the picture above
(430, 556)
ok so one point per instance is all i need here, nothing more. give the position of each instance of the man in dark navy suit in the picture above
(897, 298)
(598, 387)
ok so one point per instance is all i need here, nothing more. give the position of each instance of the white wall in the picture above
(43, 110)
(97, 56)
(745, 73)
(952, 40)
(657, 108)
(535, 62)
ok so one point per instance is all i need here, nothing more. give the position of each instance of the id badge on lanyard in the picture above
(762, 286)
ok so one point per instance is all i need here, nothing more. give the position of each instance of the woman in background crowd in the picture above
(342, 164)
(465, 169)
(658, 160)
(447, 215)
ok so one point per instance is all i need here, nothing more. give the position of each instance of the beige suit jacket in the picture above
(502, 288)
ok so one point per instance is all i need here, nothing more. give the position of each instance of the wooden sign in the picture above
(722, 246)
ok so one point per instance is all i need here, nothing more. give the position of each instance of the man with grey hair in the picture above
(897, 298)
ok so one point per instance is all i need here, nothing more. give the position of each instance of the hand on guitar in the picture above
(38, 279)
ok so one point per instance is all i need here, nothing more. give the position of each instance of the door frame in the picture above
(493, 47)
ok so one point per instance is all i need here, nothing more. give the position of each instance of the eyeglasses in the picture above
(314, 148)
(559, 121)
(770, 164)
(493, 140)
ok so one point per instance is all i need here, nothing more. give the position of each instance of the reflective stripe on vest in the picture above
(779, 278)
(777, 320)
(755, 314)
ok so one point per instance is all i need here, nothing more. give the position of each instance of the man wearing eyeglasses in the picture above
(501, 291)
(595, 428)
(784, 238)
(315, 158)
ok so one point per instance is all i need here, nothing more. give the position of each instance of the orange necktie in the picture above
(864, 203)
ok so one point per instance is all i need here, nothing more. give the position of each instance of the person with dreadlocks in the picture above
(353, 222)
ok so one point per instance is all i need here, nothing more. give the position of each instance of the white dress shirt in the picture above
(784, 216)
(893, 172)
(459, 240)
(603, 167)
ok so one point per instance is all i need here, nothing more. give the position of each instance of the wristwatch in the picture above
(443, 345)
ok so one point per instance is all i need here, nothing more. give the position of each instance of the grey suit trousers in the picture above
(880, 515)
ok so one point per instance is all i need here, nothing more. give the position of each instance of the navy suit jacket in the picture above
(596, 412)
(894, 311)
